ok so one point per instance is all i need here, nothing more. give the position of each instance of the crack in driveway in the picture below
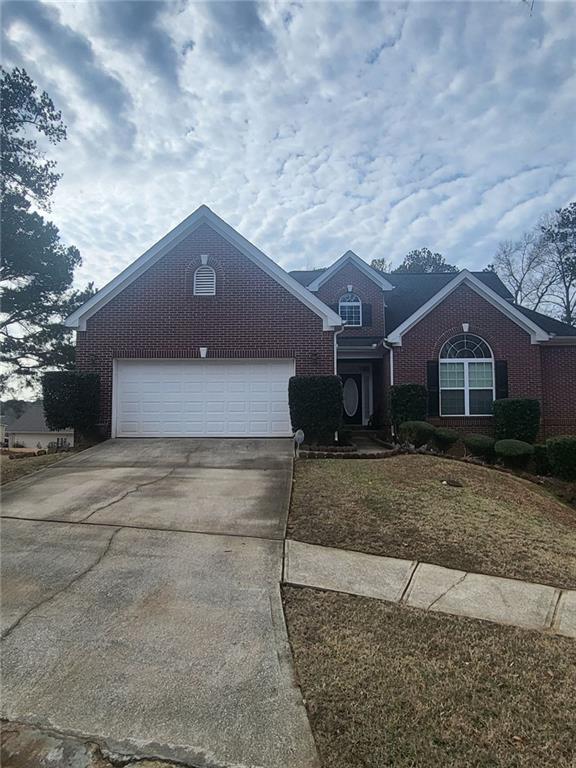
(125, 494)
(46, 600)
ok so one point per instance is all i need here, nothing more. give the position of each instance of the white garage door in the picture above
(202, 398)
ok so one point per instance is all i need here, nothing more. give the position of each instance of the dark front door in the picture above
(352, 398)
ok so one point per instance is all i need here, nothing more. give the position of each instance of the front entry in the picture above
(352, 383)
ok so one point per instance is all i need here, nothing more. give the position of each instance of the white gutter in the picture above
(391, 350)
(336, 350)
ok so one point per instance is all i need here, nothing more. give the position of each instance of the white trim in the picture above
(537, 334)
(114, 396)
(202, 215)
(347, 302)
(358, 262)
(466, 388)
(367, 374)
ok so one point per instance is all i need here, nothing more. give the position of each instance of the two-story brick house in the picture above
(200, 335)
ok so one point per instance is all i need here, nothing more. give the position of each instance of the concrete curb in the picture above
(432, 587)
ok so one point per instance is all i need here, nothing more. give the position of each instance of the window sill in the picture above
(466, 416)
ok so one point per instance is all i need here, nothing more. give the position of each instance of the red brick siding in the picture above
(157, 316)
(559, 389)
(507, 340)
(366, 290)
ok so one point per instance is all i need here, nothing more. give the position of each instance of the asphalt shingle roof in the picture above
(306, 276)
(548, 324)
(413, 289)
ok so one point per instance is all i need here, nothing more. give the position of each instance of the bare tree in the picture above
(524, 268)
(540, 268)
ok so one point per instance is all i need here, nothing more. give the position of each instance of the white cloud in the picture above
(313, 128)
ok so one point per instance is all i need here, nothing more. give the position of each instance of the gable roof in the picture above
(32, 420)
(350, 256)
(202, 215)
(537, 333)
(413, 289)
(306, 276)
(549, 324)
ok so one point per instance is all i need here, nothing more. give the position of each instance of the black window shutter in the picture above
(501, 377)
(433, 386)
(335, 307)
(367, 314)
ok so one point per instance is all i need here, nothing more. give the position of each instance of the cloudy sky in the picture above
(311, 127)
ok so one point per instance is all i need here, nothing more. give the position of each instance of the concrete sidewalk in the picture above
(432, 588)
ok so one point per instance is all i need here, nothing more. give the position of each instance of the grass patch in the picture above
(392, 686)
(13, 469)
(495, 523)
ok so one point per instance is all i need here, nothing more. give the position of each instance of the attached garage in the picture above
(201, 398)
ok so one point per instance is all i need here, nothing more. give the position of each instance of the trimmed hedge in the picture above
(540, 461)
(562, 456)
(418, 433)
(408, 402)
(443, 439)
(481, 446)
(514, 454)
(517, 419)
(316, 407)
(71, 400)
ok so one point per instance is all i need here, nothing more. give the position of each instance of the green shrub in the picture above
(540, 462)
(408, 402)
(481, 446)
(316, 407)
(444, 438)
(517, 419)
(562, 456)
(71, 400)
(514, 453)
(418, 433)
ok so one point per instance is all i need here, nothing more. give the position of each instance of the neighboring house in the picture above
(200, 335)
(31, 431)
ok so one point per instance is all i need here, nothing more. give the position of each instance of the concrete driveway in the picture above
(141, 604)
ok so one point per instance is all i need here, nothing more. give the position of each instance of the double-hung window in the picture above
(466, 377)
(350, 310)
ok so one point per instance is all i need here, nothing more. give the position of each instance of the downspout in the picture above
(390, 348)
(336, 333)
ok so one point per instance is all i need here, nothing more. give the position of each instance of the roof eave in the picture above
(537, 334)
(203, 214)
(360, 263)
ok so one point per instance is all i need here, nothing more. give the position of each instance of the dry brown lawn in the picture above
(12, 469)
(495, 523)
(392, 686)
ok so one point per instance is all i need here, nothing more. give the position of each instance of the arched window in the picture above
(350, 309)
(466, 377)
(204, 281)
